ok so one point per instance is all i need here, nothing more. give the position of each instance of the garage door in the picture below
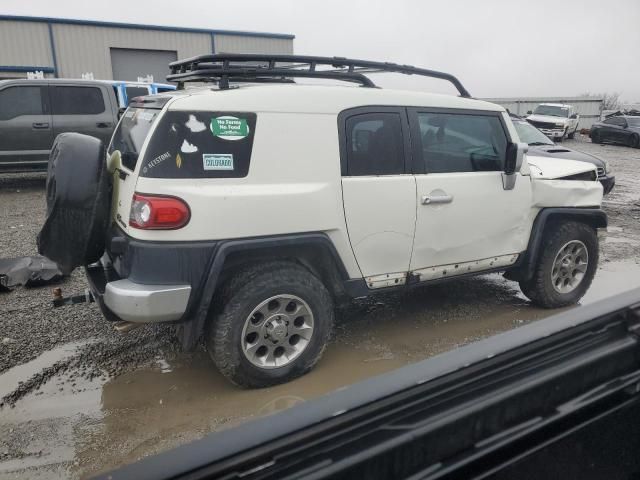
(129, 64)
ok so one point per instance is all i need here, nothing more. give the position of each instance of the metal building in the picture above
(589, 108)
(116, 51)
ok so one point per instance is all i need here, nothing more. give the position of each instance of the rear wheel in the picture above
(595, 138)
(272, 325)
(566, 266)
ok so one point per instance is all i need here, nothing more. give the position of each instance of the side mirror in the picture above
(529, 112)
(514, 157)
(121, 111)
(575, 115)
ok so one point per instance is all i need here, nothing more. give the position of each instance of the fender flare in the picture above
(595, 217)
(194, 327)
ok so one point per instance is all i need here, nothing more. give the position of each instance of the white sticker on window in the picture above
(194, 125)
(187, 147)
(217, 161)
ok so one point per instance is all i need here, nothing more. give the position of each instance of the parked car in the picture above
(246, 213)
(541, 146)
(34, 112)
(127, 91)
(624, 129)
(556, 120)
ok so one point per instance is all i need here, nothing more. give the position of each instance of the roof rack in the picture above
(224, 68)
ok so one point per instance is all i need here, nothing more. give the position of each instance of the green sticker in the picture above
(217, 161)
(229, 128)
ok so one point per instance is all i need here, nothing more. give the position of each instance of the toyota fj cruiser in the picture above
(245, 212)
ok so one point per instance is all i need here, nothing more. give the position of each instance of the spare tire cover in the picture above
(78, 202)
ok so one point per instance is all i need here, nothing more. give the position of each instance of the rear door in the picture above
(83, 109)
(26, 132)
(379, 192)
(466, 220)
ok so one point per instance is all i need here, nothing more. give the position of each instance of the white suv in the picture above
(244, 212)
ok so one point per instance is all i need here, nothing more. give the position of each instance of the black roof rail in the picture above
(224, 68)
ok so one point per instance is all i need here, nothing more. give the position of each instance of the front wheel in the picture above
(566, 266)
(573, 134)
(272, 326)
(634, 142)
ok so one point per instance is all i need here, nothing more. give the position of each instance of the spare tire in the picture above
(78, 202)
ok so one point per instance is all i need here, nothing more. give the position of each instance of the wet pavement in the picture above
(83, 399)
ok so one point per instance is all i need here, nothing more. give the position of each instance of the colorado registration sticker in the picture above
(217, 161)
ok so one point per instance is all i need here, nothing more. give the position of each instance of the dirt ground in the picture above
(78, 398)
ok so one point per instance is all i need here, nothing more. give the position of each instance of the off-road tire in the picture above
(539, 289)
(240, 295)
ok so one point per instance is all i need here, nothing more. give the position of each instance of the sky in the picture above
(497, 48)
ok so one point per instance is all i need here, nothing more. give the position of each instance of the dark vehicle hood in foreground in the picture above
(493, 401)
(557, 151)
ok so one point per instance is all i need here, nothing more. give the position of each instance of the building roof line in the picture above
(96, 23)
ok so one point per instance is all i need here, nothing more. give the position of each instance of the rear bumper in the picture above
(142, 281)
(139, 303)
(122, 299)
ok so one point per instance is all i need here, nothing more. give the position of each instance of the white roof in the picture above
(316, 99)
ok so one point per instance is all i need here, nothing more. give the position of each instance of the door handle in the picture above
(435, 199)
(103, 124)
(40, 125)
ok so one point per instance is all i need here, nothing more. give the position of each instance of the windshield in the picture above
(131, 133)
(552, 111)
(530, 134)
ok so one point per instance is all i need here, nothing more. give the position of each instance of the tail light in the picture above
(156, 212)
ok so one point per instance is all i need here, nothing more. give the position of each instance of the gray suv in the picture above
(34, 112)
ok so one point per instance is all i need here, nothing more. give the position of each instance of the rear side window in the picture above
(131, 133)
(374, 144)
(200, 145)
(461, 143)
(77, 101)
(17, 101)
(133, 92)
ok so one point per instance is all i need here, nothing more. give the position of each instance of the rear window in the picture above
(77, 101)
(131, 134)
(200, 145)
(133, 92)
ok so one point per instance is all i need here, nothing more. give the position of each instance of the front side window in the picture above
(461, 143)
(374, 144)
(131, 133)
(552, 111)
(17, 101)
(77, 101)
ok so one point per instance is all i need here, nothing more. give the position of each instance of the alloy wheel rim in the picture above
(277, 331)
(569, 266)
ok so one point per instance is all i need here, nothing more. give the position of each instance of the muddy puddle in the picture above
(73, 427)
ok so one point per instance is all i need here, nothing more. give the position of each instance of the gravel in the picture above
(29, 325)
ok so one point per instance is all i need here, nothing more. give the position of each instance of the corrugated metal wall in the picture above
(247, 44)
(25, 44)
(588, 107)
(80, 48)
(85, 48)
